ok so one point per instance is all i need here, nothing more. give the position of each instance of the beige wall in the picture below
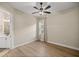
(25, 28)
(24, 25)
(63, 28)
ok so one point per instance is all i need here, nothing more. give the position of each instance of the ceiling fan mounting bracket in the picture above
(41, 3)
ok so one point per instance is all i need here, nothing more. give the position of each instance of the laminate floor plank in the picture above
(41, 49)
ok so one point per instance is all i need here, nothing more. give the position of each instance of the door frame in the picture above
(44, 18)
(11, 36)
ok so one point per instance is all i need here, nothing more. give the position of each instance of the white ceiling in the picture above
(27, 7)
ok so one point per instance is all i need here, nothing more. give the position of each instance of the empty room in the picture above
(39, 29)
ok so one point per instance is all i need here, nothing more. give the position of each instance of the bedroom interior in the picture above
(39, 29)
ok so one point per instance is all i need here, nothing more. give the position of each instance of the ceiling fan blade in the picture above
(48, 7)
(47, 12)
(36, 8)
(35, 12)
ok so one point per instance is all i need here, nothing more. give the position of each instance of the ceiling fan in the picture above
(42, 10)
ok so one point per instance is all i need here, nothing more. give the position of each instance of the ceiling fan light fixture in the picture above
(41, 13)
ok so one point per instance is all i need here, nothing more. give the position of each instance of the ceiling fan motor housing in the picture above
(41, 9)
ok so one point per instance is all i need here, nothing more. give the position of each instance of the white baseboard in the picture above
(25, 43)
(63, 45)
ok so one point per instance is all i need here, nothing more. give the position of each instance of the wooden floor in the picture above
(41, 49)
(2, 49)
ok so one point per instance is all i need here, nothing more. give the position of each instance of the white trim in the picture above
(75, 48)
(12, 36)
(24, 43)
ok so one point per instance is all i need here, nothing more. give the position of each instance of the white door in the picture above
(6, 29)
(3, 42)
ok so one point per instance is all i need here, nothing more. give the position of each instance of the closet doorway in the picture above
(41, 28)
